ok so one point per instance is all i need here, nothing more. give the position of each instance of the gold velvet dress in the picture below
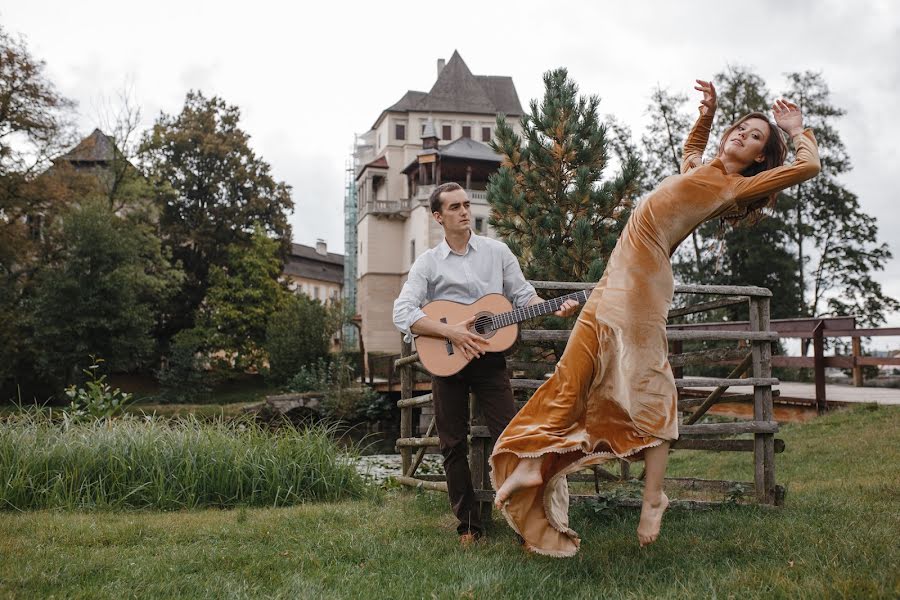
(613, 394)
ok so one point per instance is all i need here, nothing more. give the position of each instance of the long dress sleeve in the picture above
(695, 143)
(805, 166)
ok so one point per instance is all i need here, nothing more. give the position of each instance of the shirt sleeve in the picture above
(805, 166)
(695, 143)
(516, 289)
(408, 305)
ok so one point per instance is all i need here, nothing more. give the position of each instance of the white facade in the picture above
(394, 225)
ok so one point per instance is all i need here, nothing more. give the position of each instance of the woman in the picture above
(613, 393)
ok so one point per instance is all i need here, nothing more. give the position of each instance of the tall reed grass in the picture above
(149, 462)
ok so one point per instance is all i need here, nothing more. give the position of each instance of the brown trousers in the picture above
(486, 377)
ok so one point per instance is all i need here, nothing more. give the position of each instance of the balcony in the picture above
(387, 208)
(399, 209)
(475, 196)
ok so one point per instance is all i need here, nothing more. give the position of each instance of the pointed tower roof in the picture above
(95, 148)
(457, 90)
(429, 135)
(429, 131)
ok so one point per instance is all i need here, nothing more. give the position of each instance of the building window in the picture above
(479, 224)
(316, 292)
(446, 132)
(378, 140)
(400, 131)
(467, 131)
(485, 134)
(35, 226)
(412, 251)
(423, 129)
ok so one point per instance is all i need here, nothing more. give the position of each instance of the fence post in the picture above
(406, 413)
(857, 368)
(478, 457)
(819, 366)
(678, 348)
(763, 443)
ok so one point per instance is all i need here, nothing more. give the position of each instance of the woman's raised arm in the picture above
(806, 159)
(699, 135)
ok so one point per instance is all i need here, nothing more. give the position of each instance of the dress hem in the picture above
(578, 464)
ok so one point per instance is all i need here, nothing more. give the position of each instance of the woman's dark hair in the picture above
(435, 199)
(774, 152)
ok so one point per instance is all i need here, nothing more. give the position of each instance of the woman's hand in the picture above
(788, 116)
(708, 103)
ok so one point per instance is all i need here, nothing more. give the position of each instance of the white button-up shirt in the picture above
(487, 267)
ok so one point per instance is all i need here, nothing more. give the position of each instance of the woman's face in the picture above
(746, 142)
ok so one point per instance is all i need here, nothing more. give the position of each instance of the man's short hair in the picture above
(435, 198)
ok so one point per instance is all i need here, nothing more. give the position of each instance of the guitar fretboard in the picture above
(536, 310)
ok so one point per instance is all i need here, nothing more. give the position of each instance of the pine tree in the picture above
(548, 200)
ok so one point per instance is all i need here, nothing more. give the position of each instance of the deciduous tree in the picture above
(222, 190)
(102, 296)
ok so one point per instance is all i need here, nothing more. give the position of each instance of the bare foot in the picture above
(526, 474)
(651, 519)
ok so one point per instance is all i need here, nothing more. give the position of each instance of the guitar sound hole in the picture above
(483, 325)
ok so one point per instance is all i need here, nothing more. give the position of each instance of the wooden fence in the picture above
(817, 330)
(693, 435)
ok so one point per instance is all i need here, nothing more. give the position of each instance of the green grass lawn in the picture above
(837, 537)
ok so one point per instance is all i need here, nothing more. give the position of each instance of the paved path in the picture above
(833, 392)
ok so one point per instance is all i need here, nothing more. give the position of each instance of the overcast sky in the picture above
(307, 76)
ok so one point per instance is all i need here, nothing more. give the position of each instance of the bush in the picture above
(297, 335)
(96, 399)
(344, 398)
(314, 377)
(137, 463)
(184, 378)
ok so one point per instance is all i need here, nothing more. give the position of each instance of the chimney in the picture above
(441, 63)
(321, 247)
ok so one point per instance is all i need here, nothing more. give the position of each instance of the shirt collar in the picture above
(444, 249)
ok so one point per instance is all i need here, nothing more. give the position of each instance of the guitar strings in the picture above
(528, 312)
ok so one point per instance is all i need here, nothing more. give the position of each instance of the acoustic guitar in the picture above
(496, 321)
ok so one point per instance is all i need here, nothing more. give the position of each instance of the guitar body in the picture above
(441, 358)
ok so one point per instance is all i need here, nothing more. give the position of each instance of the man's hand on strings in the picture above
(470, 344)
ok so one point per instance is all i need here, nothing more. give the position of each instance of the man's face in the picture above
(455, 215)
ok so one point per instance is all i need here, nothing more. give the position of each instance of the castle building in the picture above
(423, 140)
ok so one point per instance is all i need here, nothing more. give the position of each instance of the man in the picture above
(463, 268)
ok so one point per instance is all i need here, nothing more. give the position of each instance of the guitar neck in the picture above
(536, 310)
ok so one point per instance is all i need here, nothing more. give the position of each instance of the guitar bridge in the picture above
(449, 345)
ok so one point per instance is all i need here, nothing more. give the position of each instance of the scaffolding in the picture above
(351, 339)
